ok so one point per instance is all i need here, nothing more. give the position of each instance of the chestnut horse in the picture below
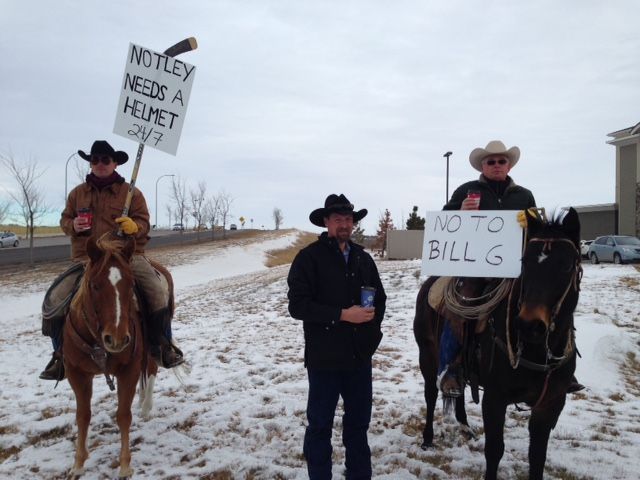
(527, 352)
(103, 335)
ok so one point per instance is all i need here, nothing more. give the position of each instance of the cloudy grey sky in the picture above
(293, 100)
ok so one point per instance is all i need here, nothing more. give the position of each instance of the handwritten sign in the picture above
(472, 243)
(154, 98)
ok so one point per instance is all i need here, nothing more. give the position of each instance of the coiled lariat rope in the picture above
(474, 307)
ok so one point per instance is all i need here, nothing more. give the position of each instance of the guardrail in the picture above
(52, 253)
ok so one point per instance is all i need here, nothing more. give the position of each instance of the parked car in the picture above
(233, 226)
(178, 227)
(584, 248)
(615, 248)
(9, 239)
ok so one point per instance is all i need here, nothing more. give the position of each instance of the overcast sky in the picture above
(293, 100)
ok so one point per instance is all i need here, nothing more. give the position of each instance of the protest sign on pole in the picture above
(153, 99)
(472, 243)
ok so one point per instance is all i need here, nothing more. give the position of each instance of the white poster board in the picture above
(154, 98)
(472, 243)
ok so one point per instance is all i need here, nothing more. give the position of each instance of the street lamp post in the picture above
(158, 179)
(65, 176)
(447, 155)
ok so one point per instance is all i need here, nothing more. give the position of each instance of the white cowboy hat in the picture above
(494, 147)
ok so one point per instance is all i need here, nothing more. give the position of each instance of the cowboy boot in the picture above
(163, 351)
(575, 386)
(54, 369)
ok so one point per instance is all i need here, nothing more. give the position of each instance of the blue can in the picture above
(367, 295)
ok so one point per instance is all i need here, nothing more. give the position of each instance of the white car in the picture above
(9, 239)
(584, 248)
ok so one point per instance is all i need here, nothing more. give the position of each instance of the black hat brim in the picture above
(119, 157)
(318, 215)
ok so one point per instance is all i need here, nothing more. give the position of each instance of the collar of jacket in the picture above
(510, 182)
(114, 187)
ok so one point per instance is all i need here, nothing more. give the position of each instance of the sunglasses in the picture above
(492, 162)
(104, 159)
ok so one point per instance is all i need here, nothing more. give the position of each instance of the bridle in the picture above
(94, 348)
(552, 362)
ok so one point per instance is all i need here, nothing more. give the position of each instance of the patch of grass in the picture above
(21, 230)
(7, 452)
(54, 433)
(631, 371)
(284, 256)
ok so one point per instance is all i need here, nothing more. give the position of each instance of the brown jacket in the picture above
(106, 205)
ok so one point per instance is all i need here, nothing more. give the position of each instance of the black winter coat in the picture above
(321, 284)
(514, 196)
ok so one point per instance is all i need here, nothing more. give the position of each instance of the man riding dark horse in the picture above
(94, 208)
(494, 190)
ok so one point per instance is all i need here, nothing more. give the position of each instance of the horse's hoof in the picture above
(425, 446)
(125, 473)
(75, 473)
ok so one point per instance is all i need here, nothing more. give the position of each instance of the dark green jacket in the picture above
(321, 284)
(514, 196)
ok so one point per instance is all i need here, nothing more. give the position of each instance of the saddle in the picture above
(54, 313)
(466, 303)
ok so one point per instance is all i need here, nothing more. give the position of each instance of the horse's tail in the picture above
(423, 328)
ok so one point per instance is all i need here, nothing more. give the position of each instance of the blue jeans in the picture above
(325, 386)
(449, 347)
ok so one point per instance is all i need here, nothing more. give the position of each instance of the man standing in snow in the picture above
(325, 284)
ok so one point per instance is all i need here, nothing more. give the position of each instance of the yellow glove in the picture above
(127, 225)
(522, 217)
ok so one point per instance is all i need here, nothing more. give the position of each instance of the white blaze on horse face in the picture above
(114, 277)
(542, 257)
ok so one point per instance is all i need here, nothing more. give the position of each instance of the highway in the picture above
(57, 247)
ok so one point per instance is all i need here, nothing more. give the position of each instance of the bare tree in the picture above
(212, 213)
(82, 169)
(278, 218)
(197, 198)
(29, 195)
(4, 210)
(224, 208)
(179, 195)
(169, 212)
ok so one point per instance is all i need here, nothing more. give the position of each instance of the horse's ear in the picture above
(534, 220)
(93, 250)
(129, 248)
(571, 226)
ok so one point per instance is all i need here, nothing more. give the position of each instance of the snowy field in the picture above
(240, 412)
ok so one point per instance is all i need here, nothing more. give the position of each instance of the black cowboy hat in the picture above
(336, 204)
(102, 147)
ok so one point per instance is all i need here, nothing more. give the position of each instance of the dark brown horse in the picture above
(103, 336)
(527, 353)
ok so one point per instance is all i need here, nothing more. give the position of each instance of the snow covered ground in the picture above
(240, 412)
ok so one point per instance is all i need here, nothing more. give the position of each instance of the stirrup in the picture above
(54, 369)
(171, 356)
(167, 355)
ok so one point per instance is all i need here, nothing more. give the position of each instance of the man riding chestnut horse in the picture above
(94, 208)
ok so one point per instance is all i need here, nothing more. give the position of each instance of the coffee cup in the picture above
(367, 296)
(87, 217)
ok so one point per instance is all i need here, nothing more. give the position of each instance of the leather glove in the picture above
(522, 217)
(127, 225)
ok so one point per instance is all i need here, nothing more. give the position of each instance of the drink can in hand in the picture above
(367, 295)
